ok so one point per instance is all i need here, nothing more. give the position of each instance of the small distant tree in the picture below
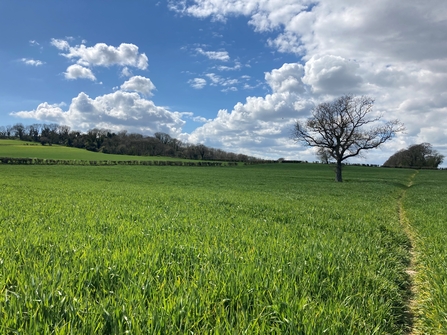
(344, 128)
(45, 140)
(2, 132)
(19, 130)
(163, 137)
(324, 155)
(202, 150)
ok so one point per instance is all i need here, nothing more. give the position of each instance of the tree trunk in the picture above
(338, 177)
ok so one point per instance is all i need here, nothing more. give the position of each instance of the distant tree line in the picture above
(42, 161)
(416, 156)
(122, 143)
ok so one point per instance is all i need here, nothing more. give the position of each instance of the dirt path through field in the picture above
(411, 271)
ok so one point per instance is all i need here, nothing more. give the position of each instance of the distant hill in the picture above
(23, 149)
(121, 143)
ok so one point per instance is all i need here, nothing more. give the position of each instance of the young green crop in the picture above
(260, 249)
(22, 149)
(425, 204)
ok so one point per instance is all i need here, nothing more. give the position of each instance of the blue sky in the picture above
(231, 74)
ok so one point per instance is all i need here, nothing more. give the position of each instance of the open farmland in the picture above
(253, 249)
(426, 208)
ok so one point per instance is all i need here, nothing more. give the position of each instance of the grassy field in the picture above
(425, 203)
(276, 249)
(22, 149)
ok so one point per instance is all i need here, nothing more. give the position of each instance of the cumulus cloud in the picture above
(120, 110)
(102, 54)
(286, 79)
(200, 119)
(32, 62)
(125, 55)
(126, 72)
(286, 100)
(44, 111)
(215, 55)
(60, 44)
(406, 29)
(260, 122)
(139, 84)
(332, 74)
(197, 83)
(221, 9)
(77, 71)
(287, 42)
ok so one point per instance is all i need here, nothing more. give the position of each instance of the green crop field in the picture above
(21, 149)
(426, 207)
(277, 248)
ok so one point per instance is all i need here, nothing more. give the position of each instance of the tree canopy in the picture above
(416, 156)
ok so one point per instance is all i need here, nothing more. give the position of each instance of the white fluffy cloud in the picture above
(120, 110)
(392, 51)
(260, 122)
(345, 28)
(267, 13)
(216, 55)
(332, 74)
(125, 55)
(102, 54)
(60, 44)
(197, 83)
(32, 62)
(44, 111)
(286, 79)
(126, 72)
(139, 84)
(77, 71)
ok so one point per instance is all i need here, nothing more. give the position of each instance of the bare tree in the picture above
(163, 137)
(202, 150)
(338, 127)
(324, 155)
